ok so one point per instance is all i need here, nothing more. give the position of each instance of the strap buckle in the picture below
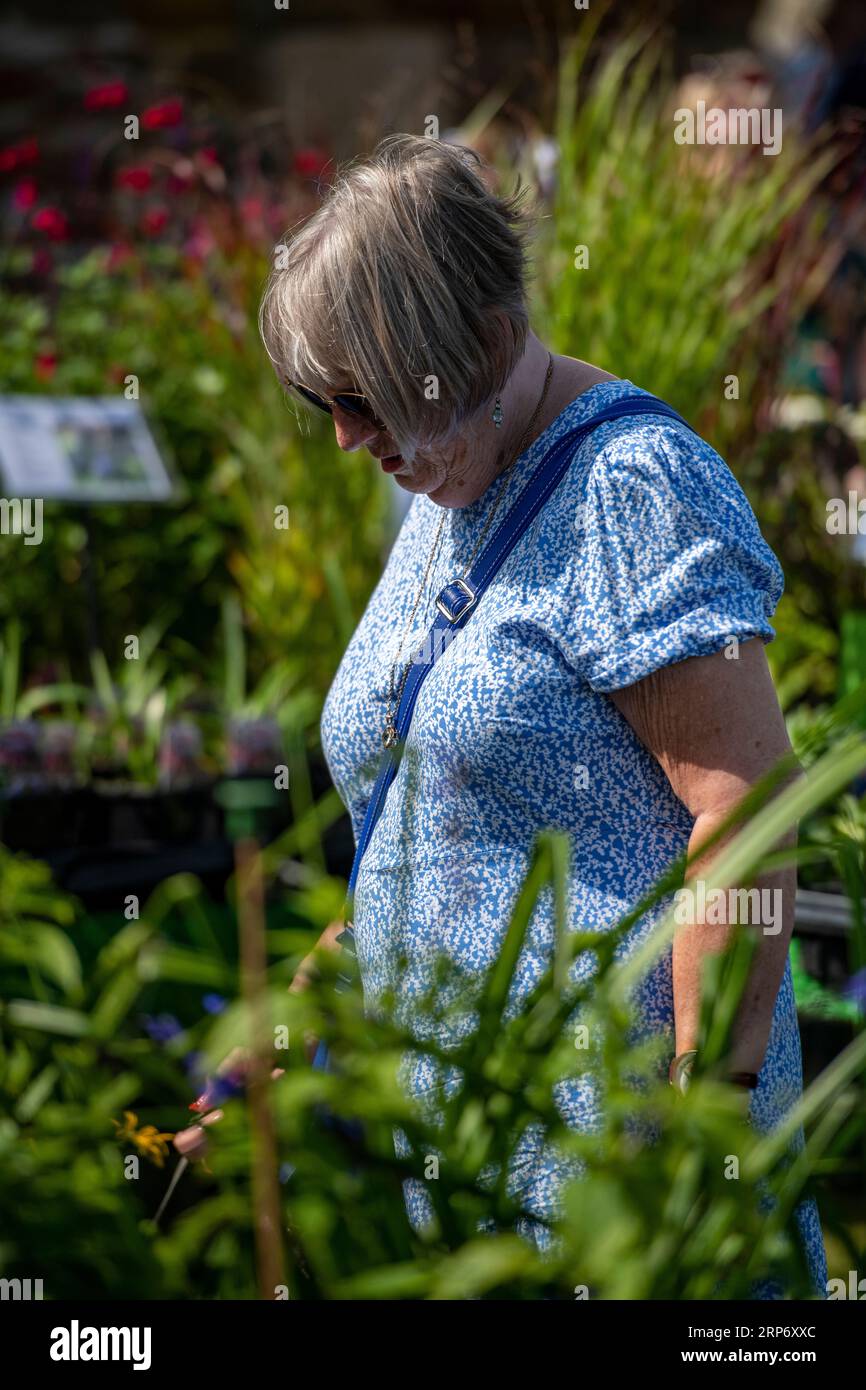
(462, 598)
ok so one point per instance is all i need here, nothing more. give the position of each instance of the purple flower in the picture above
(213, 1003)
(161, 1027)
(856, 989)
(193, 1064)
(224, 1088)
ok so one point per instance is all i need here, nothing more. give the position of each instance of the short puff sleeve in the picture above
(668, 560)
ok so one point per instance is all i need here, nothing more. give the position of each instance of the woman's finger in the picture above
(192, 1142)
(301, 980)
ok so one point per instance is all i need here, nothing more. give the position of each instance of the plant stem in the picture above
(266, 1202)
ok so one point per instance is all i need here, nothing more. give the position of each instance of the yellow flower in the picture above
(125, 1131)
(148, 1140)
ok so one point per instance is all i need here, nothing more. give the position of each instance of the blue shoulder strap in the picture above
(456, 602)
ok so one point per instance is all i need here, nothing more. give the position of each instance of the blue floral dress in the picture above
(647, 553)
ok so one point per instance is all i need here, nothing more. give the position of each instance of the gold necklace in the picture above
(390, 737)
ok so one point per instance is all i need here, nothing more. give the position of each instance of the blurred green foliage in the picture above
(653, 1213)
(209, 392)
(699, 271)
(692, 250)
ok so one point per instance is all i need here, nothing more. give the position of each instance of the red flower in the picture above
(154, 221)
(41, 263)
(24, 195)
(15, 156)
(252, 210)
(45, 365)
(182, 176)
(311, 163)
(137, 177)
(52, 222)
(104, 98)
(166, 113)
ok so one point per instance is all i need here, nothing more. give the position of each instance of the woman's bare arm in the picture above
(714, 725)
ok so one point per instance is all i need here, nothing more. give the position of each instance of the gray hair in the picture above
(408, 285)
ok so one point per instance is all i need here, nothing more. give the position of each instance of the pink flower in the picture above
(200, 242)
(154, 221)
(252, 210)
(24, 195)
(119, 253)
(15, 156)
(105, 97)
(138, 177)
(52, 222)
(164, 114)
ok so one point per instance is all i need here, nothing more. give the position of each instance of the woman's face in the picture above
(442, 475)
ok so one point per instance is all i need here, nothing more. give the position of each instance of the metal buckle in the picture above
(449, 612)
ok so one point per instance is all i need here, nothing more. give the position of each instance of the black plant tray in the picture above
(77, 817)
(101, 878)
(108, 841)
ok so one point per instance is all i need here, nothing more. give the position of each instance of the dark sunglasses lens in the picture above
(357, 405)
(354, 403)
(313, 398)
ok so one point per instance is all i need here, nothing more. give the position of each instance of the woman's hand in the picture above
(307, 972)
(234, 1069)
(231, 1075)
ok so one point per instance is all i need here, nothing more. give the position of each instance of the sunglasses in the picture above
(351, 401)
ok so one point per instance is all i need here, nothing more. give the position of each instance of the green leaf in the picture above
(46, 1018)
(36, 1094)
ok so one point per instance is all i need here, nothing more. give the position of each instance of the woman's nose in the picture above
(352, 431)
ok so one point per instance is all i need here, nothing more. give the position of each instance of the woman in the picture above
(612, 680)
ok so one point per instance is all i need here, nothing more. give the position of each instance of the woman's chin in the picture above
(409, 482)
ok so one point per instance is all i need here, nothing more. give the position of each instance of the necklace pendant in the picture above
(390, 737)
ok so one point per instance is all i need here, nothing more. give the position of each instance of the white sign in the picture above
(86, 449)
